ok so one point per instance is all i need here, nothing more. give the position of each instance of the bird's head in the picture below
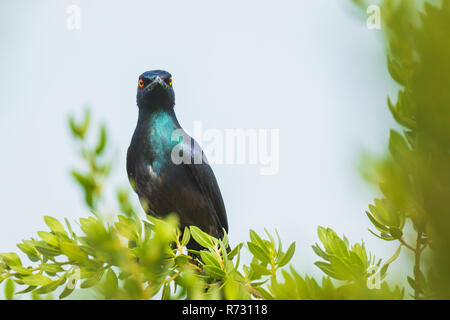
(155, 90)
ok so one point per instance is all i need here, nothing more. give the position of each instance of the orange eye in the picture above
(141, 83)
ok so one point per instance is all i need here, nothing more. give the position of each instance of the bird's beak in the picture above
(155, 82)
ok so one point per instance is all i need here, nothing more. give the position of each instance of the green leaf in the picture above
(90, 282)
(87, 119)
(401, 118)
(382, 236)
(36, 280)
(12, 259)
(72, 251)
(396, 233)
(287, 256)
(256, 239)
(49, 238)
(320, 252)
(201, 237)
(259, 253)
(322, 233)
(395, 70)
(265, 294)
(73, 126)
(215, 272)
(102, 141)
(29, 250)
(398, 147)
(196, 252)
(47, 250)
(21, 270)
(186, 237)
(132, 288)
(235, 251)
(411, 282)
(280, 246)
(52, 268)
(209, 259)
(181, 260)
(69, 227)
(52, 286)
(54, 225)
(327, 269)
(377, 225)
(66, 292)
(126, 230)
(225, 238)
(9, 289)
(79, 130)
(86, 181)
(342, 269)
(28, 289)
(271, 240)
(259, 269)
(93, 278)
(165, 292)
(112, 283)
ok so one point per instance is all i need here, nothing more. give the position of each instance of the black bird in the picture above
(163, 185)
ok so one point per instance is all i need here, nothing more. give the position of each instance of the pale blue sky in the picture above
(309, 68)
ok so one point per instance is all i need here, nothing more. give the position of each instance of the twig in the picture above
(417, 272)
(406, 245)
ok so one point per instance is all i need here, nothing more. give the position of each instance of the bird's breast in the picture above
(161, 141)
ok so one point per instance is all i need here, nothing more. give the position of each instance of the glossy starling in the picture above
(165, 186)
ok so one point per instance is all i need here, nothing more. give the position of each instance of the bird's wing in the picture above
(207, 183)
(130, 169)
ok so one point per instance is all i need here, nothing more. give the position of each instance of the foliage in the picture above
(135, 257)
(415, 178)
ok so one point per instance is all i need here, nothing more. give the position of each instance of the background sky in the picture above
(309, 68)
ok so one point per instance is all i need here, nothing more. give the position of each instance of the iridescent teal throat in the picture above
(162, 125)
